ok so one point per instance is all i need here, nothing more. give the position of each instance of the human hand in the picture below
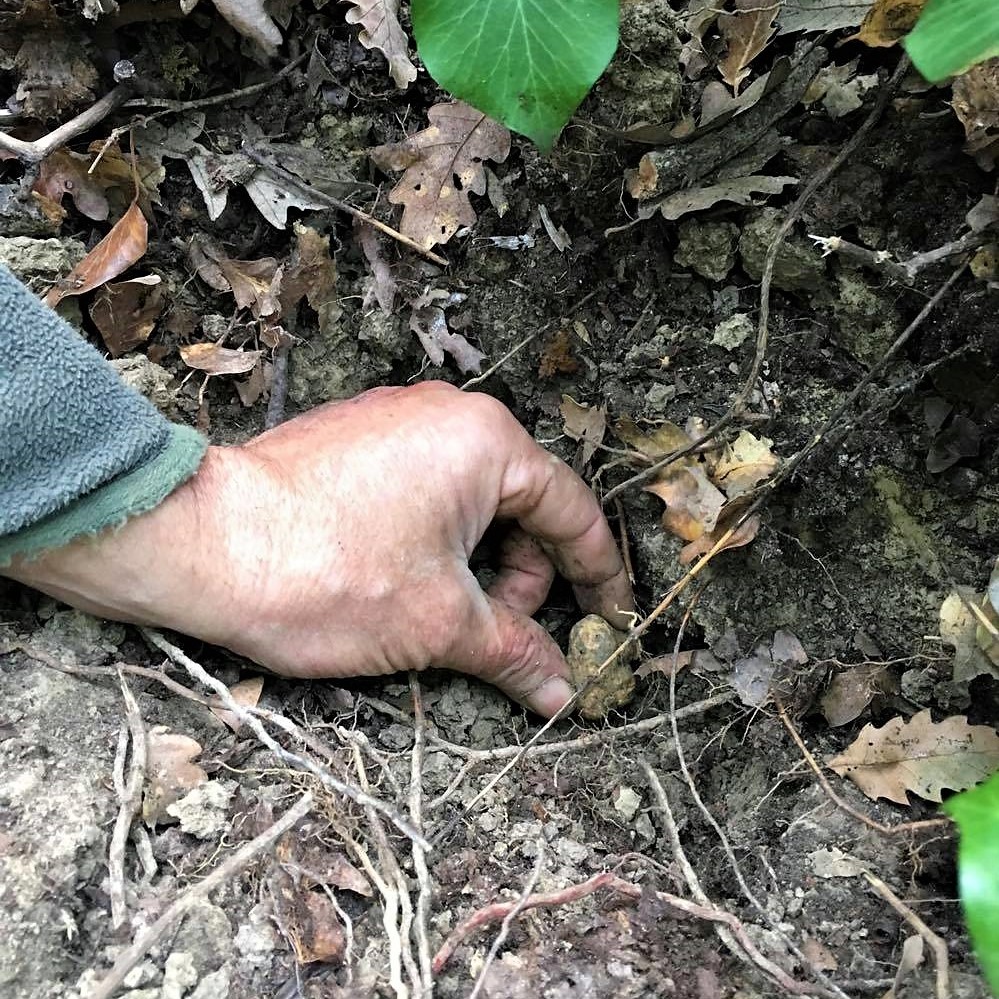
(337, 545)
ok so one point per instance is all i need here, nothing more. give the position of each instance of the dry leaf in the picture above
(821, 15)
(251, 20)
(919, 756)
(851, 690)
(383, 285)
(707, 541)
(751, 677)
(664, 440)
(959, 627)
(313, 926)
(380, 29)
(171, 772)
(311, 273)
(429, 323)
(666, 664)
(251, 389)
(787, 650)
(116, 252)
(975, 100)
(126, 312)
(117, 175)
(818, 954)
(255, 284)
(457, 143)
(216, 360)
(744, 464)
(246, 693)
(693, 503)
(739, 190)
(62, 173)
(887, 21)
(747, 32)
(586, 424)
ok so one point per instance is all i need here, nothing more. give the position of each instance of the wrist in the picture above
(157, 568)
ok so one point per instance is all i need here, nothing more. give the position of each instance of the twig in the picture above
(292, 759)
(762, 331)
(499, 364)
(593, 739)
(425, 888)
(515, 911)
(478, 379)
(937, 945)
(622, 527)
(321, 196)
(128, 808)
(178, 107)
(35, 152)
(133, 954)
(836, 799)
(397, 912)
(902, 271)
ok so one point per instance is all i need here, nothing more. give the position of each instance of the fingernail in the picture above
(551, 696)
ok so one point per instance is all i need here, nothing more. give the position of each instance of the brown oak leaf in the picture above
(126, 312)
(443, 164)
(919, 755)
(380, 29)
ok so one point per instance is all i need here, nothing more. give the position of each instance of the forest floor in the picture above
(836, 613)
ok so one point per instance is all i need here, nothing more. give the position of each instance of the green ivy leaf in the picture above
(527, 63)
(951, 36)
(977, 814)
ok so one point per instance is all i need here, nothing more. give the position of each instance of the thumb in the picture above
(516, 654)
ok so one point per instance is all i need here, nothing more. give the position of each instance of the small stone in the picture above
(733, 332)
(706, 247)
(204, 812)
(591, 642)
(799, 265)
(626, 802)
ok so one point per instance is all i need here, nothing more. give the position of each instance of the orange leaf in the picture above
(218, 360)
(692, 502)
(707, 541)
(116, 252)
(246, 693)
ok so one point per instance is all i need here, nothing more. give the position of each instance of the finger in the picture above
(525, 574)
(554, 505)
(516, 654)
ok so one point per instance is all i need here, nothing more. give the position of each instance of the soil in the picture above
(855, 557)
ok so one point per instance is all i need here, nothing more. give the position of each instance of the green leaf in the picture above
(951, 36)
(527, 63)
(977, 815)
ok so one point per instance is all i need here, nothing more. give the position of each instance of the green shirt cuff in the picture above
(134, 492)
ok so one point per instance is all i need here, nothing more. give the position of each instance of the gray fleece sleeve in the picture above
(79, 451)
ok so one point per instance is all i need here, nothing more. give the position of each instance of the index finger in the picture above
(553, 504)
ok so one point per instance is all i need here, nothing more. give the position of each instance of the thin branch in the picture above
(240, 859)
(425, 888)
(131, 798)
(327, 199)
(35, 152)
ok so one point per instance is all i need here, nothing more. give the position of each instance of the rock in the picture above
(799, 265)
(138, 372)
(40, 259)
(707, 247)
(179, 975)
(591, 642)
(204, 811)
(733, 332)
(88, 638)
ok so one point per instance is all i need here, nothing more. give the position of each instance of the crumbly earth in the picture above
(855, 556)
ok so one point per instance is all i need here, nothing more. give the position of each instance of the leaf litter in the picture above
(919, 756)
